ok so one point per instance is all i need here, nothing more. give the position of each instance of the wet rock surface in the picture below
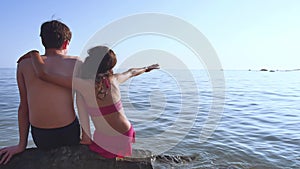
(75, 157)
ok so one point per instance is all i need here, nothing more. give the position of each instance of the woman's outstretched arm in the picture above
(122, 77)
(41, 72)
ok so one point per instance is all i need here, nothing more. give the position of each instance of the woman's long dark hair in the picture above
(98, 65)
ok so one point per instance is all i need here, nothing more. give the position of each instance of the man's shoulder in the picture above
(73, 58)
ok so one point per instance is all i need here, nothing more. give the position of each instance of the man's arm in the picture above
(23, 112)
(23, 121)
(122, 77)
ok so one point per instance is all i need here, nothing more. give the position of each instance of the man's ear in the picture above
(65, 45)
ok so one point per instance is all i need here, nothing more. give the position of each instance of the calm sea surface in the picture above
(259, 126)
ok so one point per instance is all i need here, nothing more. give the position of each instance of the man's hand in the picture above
(7, 152)
(27, 55)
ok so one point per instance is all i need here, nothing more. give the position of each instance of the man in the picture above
(46, 107)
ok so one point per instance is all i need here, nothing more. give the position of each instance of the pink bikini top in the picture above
(101, 111)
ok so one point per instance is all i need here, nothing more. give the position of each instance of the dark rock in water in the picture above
(75, 157)
(175, 159)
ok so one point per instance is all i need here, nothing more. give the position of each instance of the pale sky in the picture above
(250, 34)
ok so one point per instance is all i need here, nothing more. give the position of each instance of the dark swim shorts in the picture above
(52, 138)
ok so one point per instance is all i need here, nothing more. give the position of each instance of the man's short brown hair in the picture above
(54, 33)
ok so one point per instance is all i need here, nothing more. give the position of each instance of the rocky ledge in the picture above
(75, 157)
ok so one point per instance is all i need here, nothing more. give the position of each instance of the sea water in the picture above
(257, 127)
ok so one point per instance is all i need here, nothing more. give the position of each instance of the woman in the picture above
(98, 95)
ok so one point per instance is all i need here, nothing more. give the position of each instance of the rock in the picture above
(75, 157)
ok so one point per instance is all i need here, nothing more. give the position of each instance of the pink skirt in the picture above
(113, 146)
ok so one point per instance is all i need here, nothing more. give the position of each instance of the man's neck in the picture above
(55, 52)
